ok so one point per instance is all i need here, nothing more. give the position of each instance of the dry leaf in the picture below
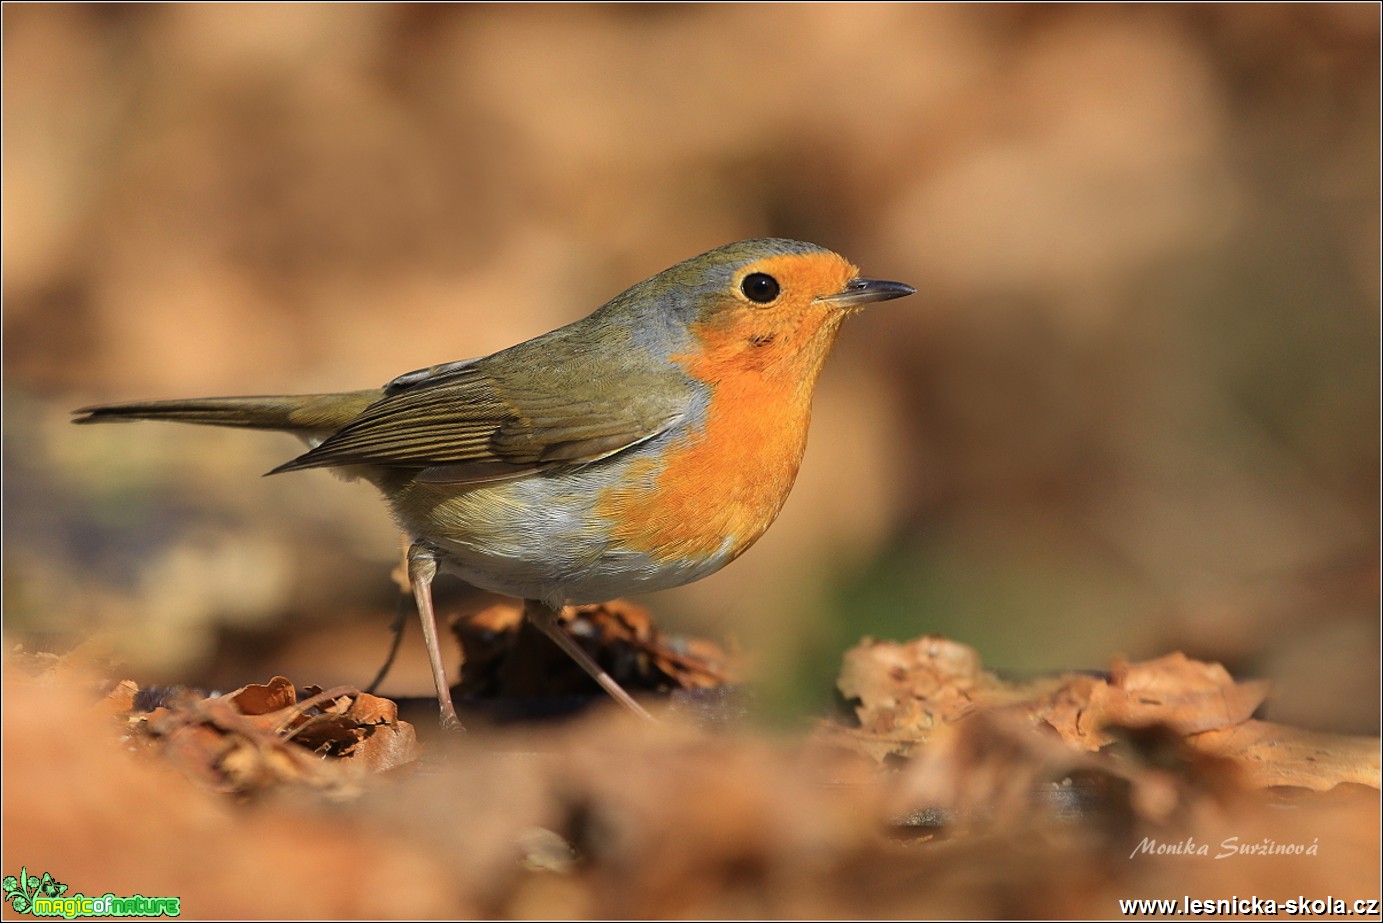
(1186, 695)
(120, 700)
(263, 735)
(1273, 754)
(910, 688)
(255, 699)
(503, 657)
(906, 692)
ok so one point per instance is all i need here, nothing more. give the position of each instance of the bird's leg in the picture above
(422, 567)
(396, 629)
(405, 586)
(545, 618)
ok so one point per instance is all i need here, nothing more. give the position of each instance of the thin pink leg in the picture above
(422, 567)
(545, 618)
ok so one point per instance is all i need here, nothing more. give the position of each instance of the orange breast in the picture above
(717, 488)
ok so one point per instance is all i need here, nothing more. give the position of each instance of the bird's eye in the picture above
(759, 287)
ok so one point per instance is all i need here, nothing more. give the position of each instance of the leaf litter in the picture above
(948, 790)
(263, 735)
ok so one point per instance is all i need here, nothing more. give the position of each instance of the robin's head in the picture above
(770, 305)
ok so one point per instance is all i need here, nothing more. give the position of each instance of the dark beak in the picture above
(860, 292)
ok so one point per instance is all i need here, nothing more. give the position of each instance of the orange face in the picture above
(774, 320)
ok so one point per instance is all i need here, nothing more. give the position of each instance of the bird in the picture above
(640, 448)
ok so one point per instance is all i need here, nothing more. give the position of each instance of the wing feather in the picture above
(463, 423)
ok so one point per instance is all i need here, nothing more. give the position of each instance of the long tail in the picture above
(308, 415)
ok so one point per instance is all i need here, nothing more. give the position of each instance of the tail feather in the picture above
(304, 414)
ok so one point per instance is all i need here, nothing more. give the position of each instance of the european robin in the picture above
(643, 447)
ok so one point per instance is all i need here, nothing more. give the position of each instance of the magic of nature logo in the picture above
(45, 896)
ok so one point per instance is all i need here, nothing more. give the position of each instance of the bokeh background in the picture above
(1134, 406)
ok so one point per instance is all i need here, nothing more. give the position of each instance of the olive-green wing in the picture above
(462, 424)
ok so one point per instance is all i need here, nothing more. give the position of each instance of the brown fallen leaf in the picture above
(262, 735)
(1184, 694)
(372, 709)
(194, 749)
(120, 699)
(912, 687)
(505, 657)
(391, 744)
(256, 699)
(1274, 754)
(907, 693)
(388, 747)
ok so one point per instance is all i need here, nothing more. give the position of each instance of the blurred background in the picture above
(1134, 406)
